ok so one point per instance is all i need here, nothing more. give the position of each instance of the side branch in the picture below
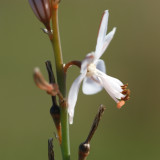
(68, 65)
(84, 147)
(55, 109)
(50, 149)
(95, 123)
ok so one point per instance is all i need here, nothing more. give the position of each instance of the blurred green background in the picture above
(132, 133)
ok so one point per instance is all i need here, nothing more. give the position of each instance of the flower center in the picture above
(91, 69)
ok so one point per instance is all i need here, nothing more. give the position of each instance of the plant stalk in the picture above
(61, 79)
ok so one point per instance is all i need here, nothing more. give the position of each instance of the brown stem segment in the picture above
(55, 110)
(68, 65)
(95, 123)
(50, 149)
(50, 72)
(84, 147)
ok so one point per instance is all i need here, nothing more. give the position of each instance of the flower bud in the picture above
(84, 149)
(55, 113)
(55, 110)
(42, 10)
(41, 83)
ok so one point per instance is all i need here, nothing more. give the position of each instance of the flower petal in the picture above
(102, 33)
(100, 65)
(90, 86)
(108, 39)
(105, 44)
(111, 85)
(88, 59)
(72, 96)
(38, 9)
(108, 89)
(114, 82)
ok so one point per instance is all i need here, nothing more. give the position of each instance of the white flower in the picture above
(93, 73)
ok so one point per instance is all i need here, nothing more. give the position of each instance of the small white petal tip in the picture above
(70, 118)
(114, 29)
(106, 11)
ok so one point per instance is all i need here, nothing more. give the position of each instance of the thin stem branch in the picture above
(50, 149)
(55, 109)
(95, 123)
(51, 79)
(69, 64)
(84, 148)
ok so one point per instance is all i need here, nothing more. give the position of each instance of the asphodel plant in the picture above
(92, 74)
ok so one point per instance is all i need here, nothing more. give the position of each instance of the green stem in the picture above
(61, 79)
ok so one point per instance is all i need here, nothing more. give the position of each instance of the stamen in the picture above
(127, 93)
(126, 98)
(124, 86)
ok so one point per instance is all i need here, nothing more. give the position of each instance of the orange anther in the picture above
(120, 104)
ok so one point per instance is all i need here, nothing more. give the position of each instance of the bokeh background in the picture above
(131, 133)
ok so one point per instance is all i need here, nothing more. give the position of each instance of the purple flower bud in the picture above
(42, 10)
